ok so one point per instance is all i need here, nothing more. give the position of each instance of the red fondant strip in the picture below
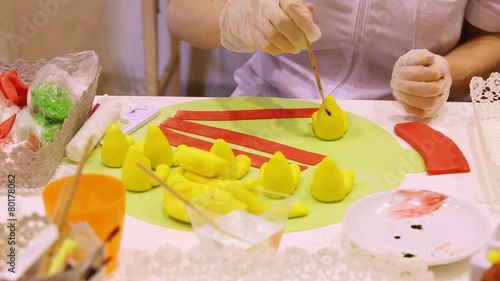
(245, 114)
(441, 155)
(260, 144)
(177, 139)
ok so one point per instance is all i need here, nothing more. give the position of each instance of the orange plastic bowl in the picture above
(100, 201)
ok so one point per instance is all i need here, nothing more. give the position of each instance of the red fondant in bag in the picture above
(441, 155)
(13, 88)
(6, 126)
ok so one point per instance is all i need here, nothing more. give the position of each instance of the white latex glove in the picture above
(421, 82)
(273, 26)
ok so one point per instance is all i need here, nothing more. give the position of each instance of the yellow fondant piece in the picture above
(261, 171)
(348, 179)
(176, 177)
(329, 126)
(130, 140)
(134, 178)
(114, 147)
(255, 183)
(296, 174)
(162, 171)
(277, 175)
(220, 201)
(203, 162)
(175, 156)
(174, 207)
(224, 151)
(494, 256)
(298, 210)
(140, 145)
(192, 176)
(329, 182)
(243, 163)
(157, 147)
(254, 204)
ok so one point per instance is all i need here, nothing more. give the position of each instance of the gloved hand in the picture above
(421, 82)
(273, 26)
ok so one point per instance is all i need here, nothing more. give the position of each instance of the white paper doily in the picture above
(485, 95)
(200, 264)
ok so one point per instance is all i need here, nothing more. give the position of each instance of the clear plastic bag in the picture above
(57, 87)
(73, 72)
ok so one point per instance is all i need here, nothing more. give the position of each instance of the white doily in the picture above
(200, 264)
(485, 96)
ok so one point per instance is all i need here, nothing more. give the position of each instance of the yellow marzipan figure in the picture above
(134, 178)
(203, 163)
(330, 122)
(277, 175)
(224, 151)
(329, 183)
(114, 148)
(157, 147)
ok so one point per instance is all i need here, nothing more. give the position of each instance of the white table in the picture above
(456, 121)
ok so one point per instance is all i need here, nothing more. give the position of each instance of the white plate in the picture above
(421, 224)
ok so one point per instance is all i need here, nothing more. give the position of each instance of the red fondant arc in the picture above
(177, 139)
(245, 114)
(441, 155)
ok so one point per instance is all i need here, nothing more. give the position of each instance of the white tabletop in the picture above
(455, 121)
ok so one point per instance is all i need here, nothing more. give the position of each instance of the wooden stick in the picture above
(315, 69)
(316, 74)
(190, 205)
(64, 202)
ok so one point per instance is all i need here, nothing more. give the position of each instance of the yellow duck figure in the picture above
(329, 183)
(330, 121)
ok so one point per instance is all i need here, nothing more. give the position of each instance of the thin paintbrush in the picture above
(190, 205)
(316, 72)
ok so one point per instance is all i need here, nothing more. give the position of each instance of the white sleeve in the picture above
(484, 14)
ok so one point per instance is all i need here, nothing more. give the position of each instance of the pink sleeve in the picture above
(484, 14)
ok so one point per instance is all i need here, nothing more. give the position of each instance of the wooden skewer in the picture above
(63, 205)
(315, 69)
(190, 205)
(60, 218)
(316, 72)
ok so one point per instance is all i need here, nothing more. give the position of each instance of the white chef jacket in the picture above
(361, 41)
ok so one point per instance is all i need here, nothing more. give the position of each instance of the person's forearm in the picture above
(477, 56)
(195, 21)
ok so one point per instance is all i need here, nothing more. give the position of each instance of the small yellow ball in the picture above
(494, 256)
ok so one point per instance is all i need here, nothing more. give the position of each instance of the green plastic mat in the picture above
(377, 159)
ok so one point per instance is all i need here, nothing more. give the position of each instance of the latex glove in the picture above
(421, 82)
(273, 26)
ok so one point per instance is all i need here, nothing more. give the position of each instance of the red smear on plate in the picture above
(414, 203)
